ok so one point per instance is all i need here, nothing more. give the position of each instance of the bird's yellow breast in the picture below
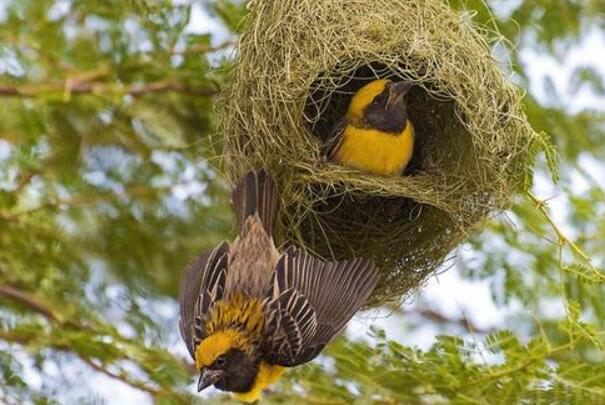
(376, 151)
(267, 375)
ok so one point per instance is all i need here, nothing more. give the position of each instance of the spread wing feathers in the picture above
(202, 284)
(333, 291)
(255, 194)
(334, 140)
(294, 322)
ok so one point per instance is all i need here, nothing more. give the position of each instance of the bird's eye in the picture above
(220, 361)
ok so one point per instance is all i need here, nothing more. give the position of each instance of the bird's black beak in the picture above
(398, 90)
(207, 378)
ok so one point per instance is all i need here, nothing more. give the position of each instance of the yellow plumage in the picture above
(249, 311)
(367, 148)
(239, 309)
(376, 152)
(363, 97)
(267, 375)
(216, 345)
(249, 314)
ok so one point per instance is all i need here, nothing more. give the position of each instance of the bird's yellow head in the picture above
(363, 97)
(230, 357)
(380, 104)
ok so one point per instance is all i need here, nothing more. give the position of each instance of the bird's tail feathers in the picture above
(256, 193)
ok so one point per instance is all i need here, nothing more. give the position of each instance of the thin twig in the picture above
(133, 383)
(541, 206)
(203, 48)
(563, 241)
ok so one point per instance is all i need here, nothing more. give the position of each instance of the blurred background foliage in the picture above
(108, 187)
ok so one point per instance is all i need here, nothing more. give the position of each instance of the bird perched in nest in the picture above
(247, 311)
(376, 134)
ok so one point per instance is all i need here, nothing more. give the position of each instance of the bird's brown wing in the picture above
(312, 302)
(202, 284)
(334, 140)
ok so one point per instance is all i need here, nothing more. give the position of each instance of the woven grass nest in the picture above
(298, 64)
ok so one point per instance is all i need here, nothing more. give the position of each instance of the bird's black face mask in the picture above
(233, 372)
(388, 111)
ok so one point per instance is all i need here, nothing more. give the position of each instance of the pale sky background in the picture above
(447, 293)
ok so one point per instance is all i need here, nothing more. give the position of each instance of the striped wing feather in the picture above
(330, 293)
(202, 284)
(292, 323)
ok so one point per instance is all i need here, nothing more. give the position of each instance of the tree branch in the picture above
(27, 301)
(68, 88)
(436, 316)
(31, 303)
(13, 337)
(136, 191)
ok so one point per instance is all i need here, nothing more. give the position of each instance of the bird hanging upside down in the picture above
(376, 134)
(248, 311)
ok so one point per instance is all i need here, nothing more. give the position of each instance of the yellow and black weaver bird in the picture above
(375, 135)
(247, 311)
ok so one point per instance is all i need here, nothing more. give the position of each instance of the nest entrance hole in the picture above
(352, 220)
(441, 138)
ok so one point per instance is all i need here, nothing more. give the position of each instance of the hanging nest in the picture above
(298, 64)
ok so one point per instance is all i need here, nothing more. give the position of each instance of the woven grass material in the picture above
(300, 61)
